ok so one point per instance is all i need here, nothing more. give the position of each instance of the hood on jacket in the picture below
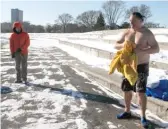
(17, 25)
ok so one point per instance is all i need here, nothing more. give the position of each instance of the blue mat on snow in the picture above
(160, 92)
(5, 90)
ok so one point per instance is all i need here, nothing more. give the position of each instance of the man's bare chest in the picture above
(138, 38)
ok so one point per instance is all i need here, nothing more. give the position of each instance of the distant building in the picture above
(16, 15)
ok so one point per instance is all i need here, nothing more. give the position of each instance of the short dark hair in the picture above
(138, 15)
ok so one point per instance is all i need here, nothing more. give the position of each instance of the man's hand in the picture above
(119, 46)
(120, 42)
(137, 50)
(18, 50)
(13, 55)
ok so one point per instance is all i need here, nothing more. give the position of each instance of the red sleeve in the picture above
(27, 43)
(11, 45)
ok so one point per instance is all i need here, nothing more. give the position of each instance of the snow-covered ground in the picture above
(41, 108)
(58, 100)
(161, 36)
(155, 74)
(43, 97)
(95, 61)
(162, 56)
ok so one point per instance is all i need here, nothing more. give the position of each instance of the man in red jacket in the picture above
(19, 43)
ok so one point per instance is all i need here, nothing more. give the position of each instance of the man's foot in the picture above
(18, 81)
(125, 115)
(144, 122)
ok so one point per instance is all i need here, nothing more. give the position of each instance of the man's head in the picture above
(136, 20)
(17, 27)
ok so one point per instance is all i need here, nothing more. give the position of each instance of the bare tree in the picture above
(100, 24)
(48, 28)
(39, 29)
(114, 10)
(125, 25)
(26, 26)
(88, 18)
(64, 19)
(143, 9)
(152, 25)
(6, 27)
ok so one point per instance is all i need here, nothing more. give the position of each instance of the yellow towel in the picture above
(125, 61)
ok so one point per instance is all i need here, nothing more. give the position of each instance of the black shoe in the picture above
(124, 115)
(144, 122)
(18, 81)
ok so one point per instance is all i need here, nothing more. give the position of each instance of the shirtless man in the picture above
(146, 44)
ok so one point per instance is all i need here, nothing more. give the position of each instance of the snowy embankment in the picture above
(155, 74)
(96, 40)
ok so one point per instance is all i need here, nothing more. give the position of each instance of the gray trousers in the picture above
(21, 66)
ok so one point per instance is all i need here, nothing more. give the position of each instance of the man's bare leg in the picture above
(127, 98)
(127, 113)
(142, 102)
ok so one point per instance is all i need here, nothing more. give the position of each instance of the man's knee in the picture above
(141, 95)
(128, 95)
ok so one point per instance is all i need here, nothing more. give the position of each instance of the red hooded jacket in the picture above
(20, 40)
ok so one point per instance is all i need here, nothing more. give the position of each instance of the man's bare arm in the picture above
(119, 44)
(153, 45)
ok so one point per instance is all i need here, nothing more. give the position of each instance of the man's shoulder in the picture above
(148, 31)
(126, 31)
(149, 34)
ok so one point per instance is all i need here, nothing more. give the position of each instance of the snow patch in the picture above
(81, 124)
(98, 91)
(111, 125)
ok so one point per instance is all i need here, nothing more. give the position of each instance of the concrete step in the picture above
(113, 82)
(163, 45)
(106, 54)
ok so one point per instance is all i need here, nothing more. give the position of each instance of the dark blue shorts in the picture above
(140, 86)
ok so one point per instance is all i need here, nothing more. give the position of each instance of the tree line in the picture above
(112, 12)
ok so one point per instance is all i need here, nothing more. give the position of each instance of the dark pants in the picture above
(21, 66)
(140, 86)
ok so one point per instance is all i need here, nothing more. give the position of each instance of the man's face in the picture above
(18, 29)
(135, 22)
